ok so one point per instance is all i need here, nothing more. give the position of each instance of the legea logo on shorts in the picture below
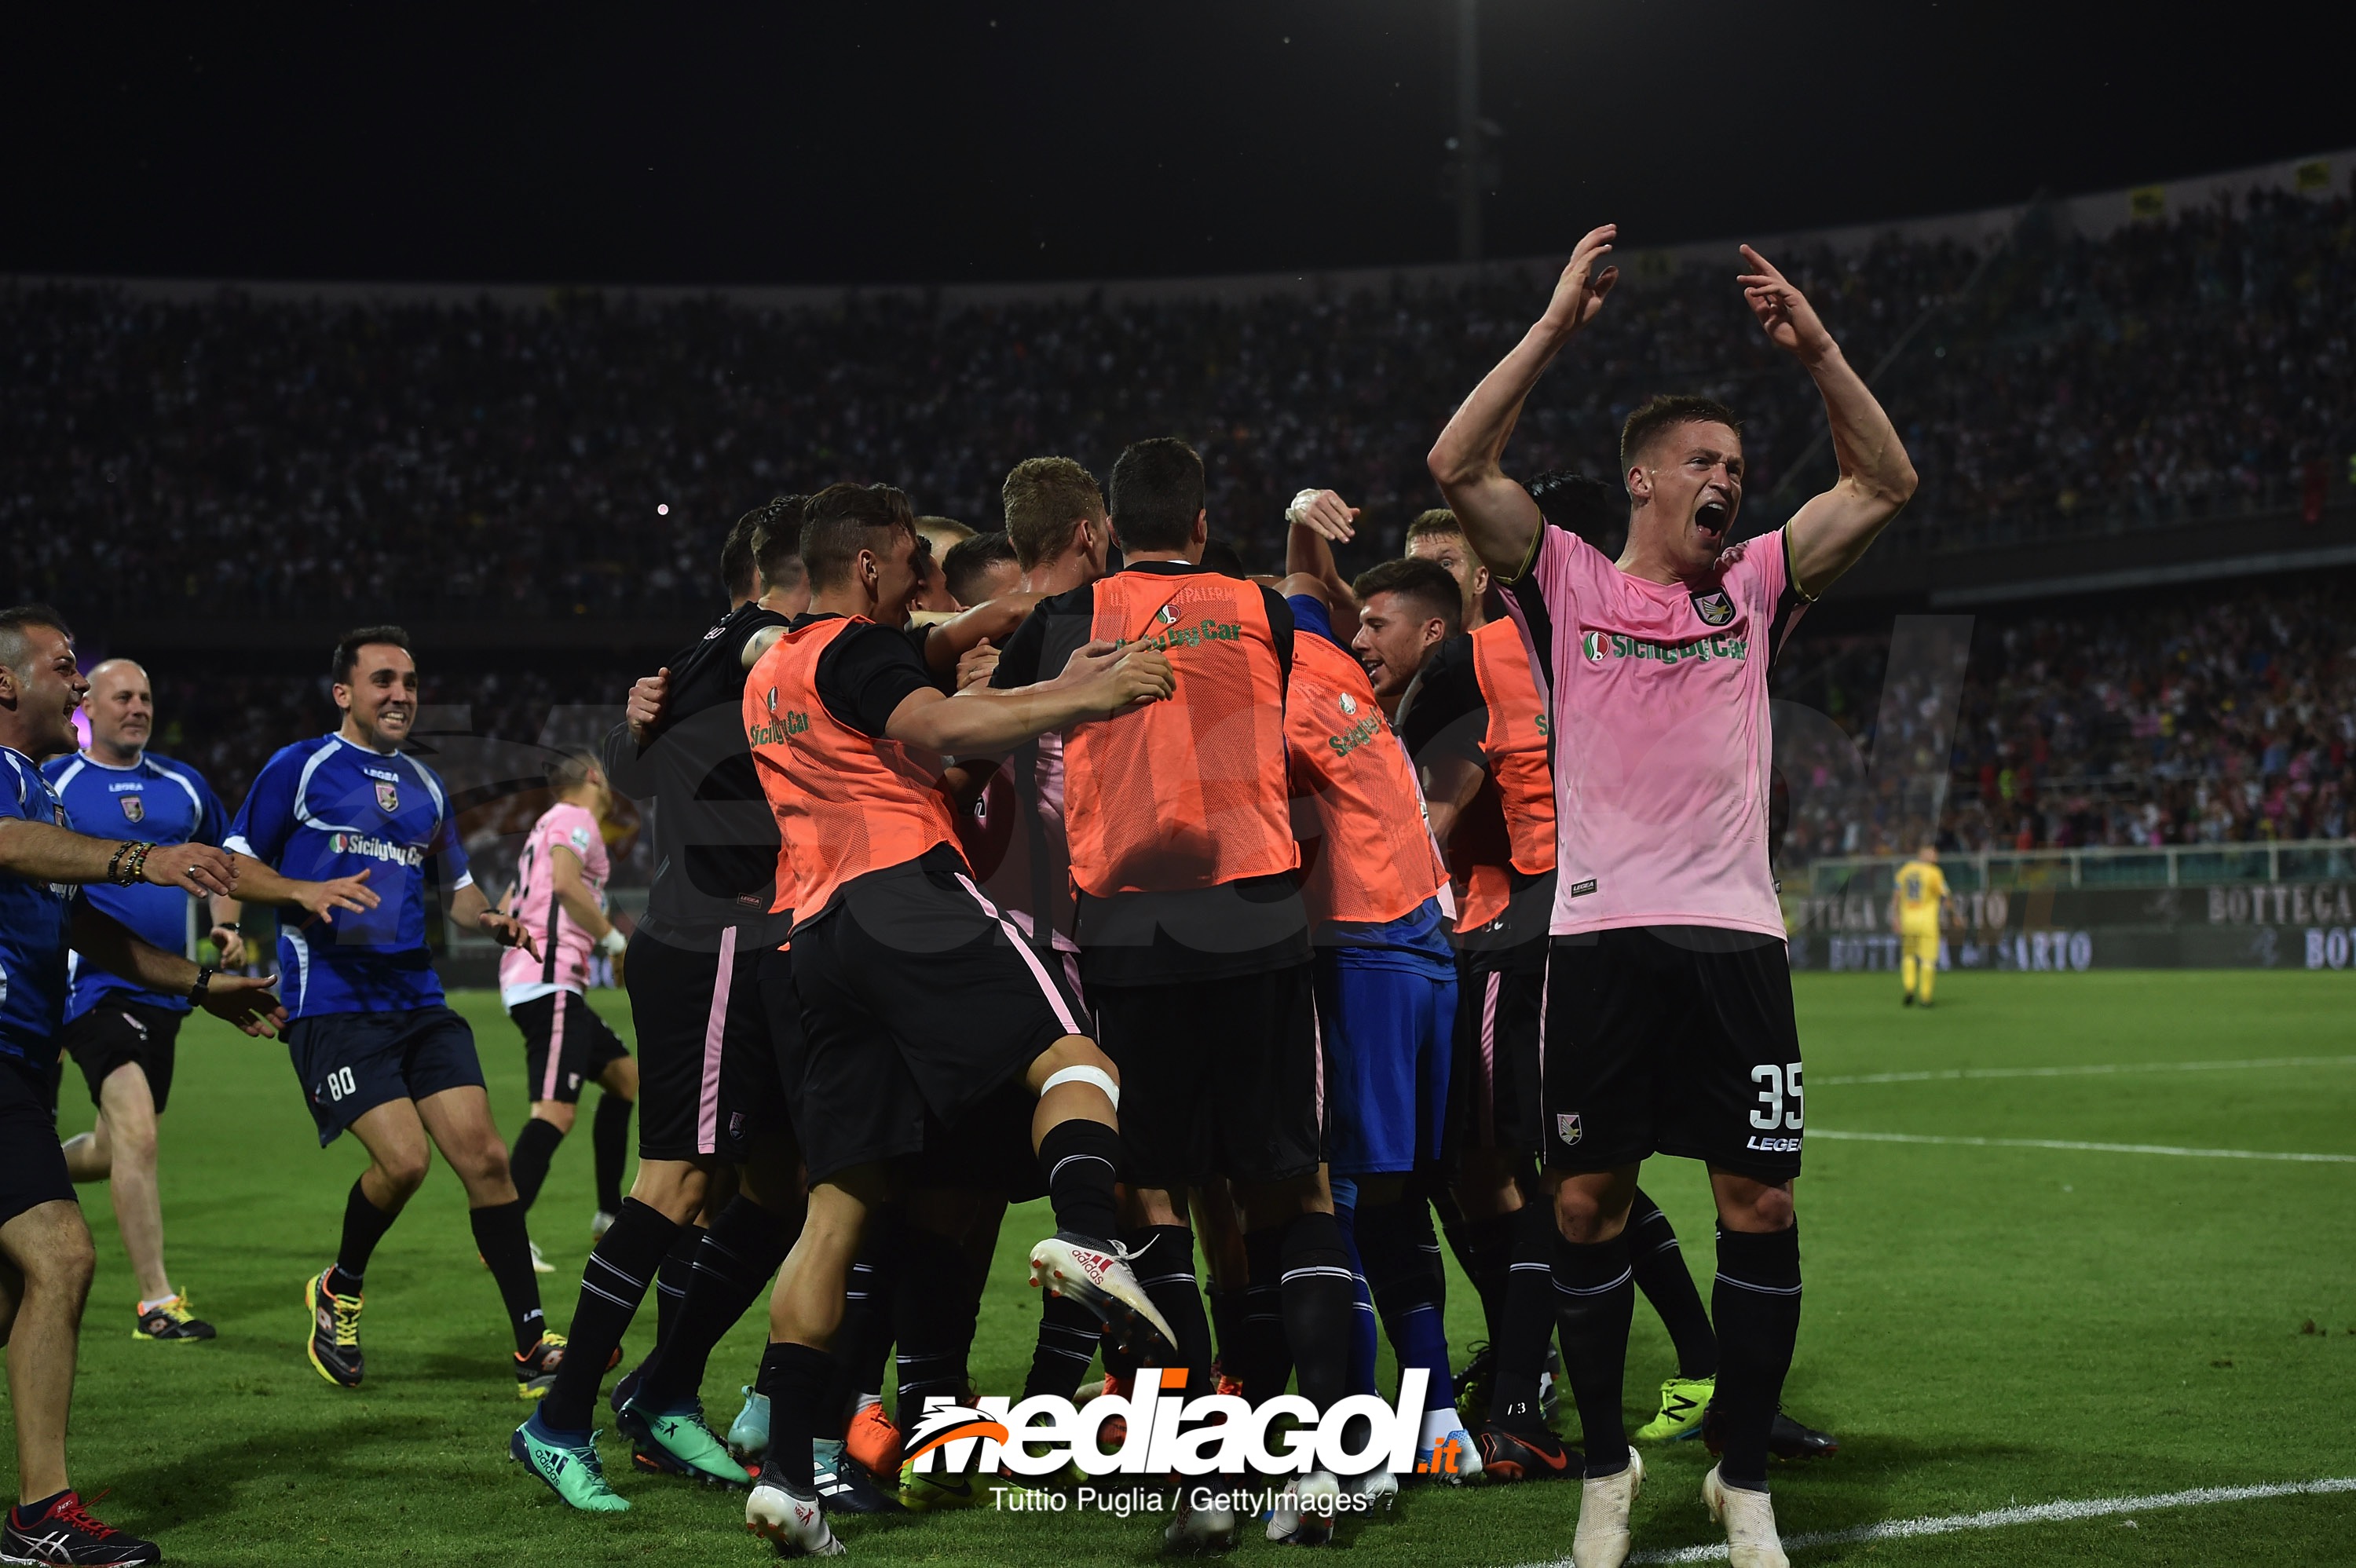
(1218, 1433)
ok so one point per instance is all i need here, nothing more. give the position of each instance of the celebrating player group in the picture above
(1278, 913)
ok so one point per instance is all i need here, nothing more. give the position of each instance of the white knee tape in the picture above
(1096, 1075)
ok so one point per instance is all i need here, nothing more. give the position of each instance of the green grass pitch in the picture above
(1985, 1325)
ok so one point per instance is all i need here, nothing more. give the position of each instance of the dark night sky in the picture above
(989, 140)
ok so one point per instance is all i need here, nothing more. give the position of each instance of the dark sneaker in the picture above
(843, 1484)
(65, 1532)
(1508, 1456)
(171, 1320)
(535, 1369)
(1787, 1438)
(1476, 1383)
(335, 1345)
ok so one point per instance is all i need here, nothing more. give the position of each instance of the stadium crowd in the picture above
(285, 457)
(2180, 717)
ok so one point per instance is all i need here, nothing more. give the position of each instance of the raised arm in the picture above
(1317, 518)
(994, 622)
(1496, 514)
(1828, 533)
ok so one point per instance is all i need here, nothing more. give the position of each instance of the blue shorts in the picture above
(349, 1063)
(1389, 1025)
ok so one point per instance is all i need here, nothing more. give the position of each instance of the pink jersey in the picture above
(1662, 744)
(563, 960)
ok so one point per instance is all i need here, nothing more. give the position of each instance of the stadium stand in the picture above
(239, 471)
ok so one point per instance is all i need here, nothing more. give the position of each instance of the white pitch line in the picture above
(2038, 1513)
(2085, 1147)
(1954, 1073)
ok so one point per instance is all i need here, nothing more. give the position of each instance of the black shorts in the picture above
(32, 1161)
(1223, 1077)
(566, 1045)
(708, 1076)
(349, 1063)
(919, 999)
(1497, 1050)
(117, 1030)
(1675, 1039)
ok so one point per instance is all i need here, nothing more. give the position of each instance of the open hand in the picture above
(1139, 674)
(1325, 513)
(192, 868)
(1790, 321)
(506, 931)
(1579, 293)
(247, 1001)
(324, 899)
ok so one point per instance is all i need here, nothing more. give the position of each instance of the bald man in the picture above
(119, 1034)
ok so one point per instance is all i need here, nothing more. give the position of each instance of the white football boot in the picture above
(796, 1526)
(1603, 1504)
(1750, 1520)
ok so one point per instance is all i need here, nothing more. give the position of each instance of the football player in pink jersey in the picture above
(560, 895)
(1668, 1025)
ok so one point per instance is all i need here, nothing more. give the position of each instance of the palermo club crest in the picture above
(1716, 608)
(134, 808)
(388, 798)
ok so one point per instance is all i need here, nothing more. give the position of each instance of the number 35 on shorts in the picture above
(1780, 1100)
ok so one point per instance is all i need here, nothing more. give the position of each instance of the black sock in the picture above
(1595, 1296)
(1757, 1303)
(615, 1280)
(1068, 1333)
(535, 1146)
(1228, 1308)
(1403, 1274)
(609, 1142)
(499, 1237)
(736, 1257)
(863, 1343)
(677, 1266)
(1484, 1250)
(929, 1311)
(364, 1226)
(1081, 1159)
(1528, 1322)
(796, 1378)
(1662, 1275)
(1317, 1292)
(1162, 1256)
(1266, 1363)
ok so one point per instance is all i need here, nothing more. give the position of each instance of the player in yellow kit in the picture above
(1914, 906)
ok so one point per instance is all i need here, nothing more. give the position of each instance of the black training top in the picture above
(1139, 939)
(714, 841)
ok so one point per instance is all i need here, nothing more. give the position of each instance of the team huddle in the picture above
(1272, 914)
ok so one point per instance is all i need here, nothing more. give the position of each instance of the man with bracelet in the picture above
(46, 1254)
(123, 1035)
(377, 1050)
